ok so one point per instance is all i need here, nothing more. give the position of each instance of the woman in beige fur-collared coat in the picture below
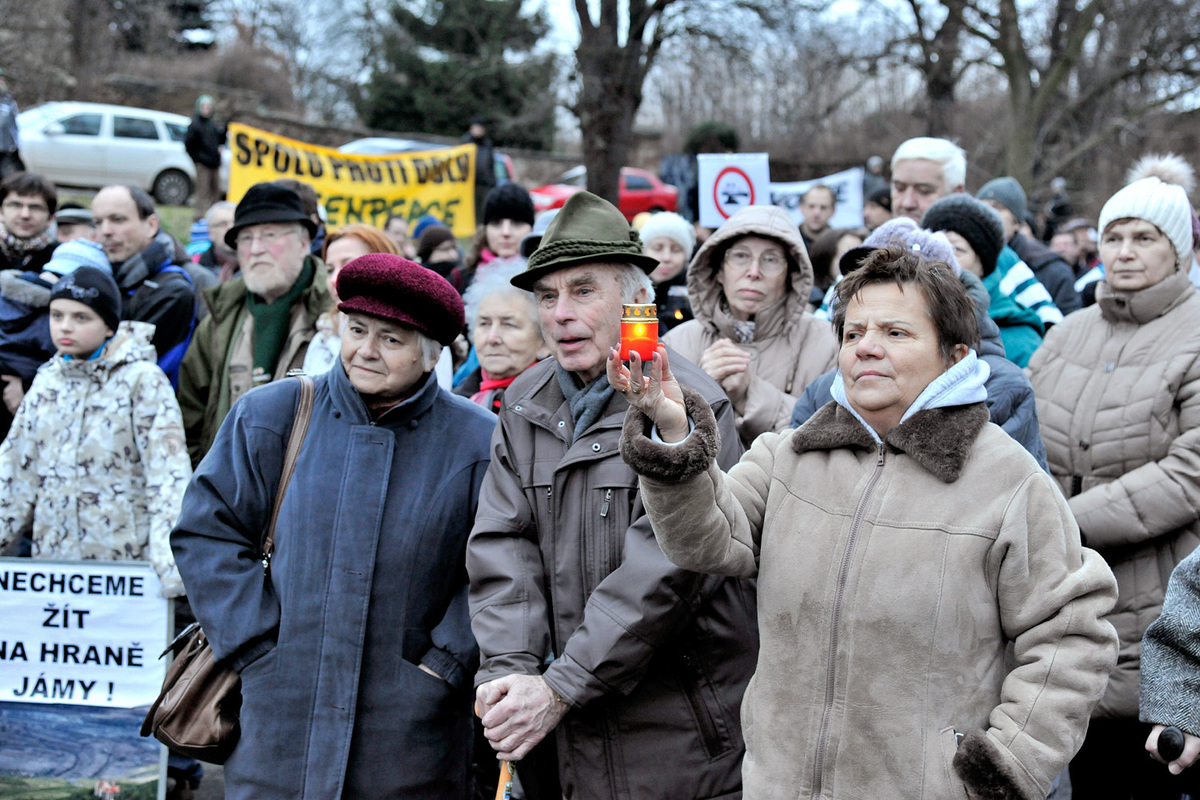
(930, 625)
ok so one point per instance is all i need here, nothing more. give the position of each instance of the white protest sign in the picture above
(848, 185)
(82, 633)
(728, 182)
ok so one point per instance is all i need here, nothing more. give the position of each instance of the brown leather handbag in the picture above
(196, 713)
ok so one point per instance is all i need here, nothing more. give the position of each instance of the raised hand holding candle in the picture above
(639, 330)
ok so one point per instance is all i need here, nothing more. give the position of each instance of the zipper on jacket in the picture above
(835, 619)
(550, 499)
(691, 690)
(604, 507)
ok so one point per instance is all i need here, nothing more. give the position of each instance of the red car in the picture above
(640, 191)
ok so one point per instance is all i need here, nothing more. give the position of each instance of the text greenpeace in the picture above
(85, 633)
(356, 188)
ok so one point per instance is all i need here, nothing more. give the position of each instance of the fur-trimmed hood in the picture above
(17, 286)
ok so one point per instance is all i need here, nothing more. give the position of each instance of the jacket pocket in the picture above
(702, 701)
(603, 543)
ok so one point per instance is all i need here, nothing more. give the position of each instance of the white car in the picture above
(94, 145)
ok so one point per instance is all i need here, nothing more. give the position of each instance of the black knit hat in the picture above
(431, 239)
(973, 220)
(508, 201)
(95, 289)
(881, 197)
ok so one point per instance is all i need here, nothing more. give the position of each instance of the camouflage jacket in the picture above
(96, 461)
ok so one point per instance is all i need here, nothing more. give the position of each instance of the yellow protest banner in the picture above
(361, 188)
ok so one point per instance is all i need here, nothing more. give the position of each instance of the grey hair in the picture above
(220, 205)
(632, 279)
(431, 351)
(941, 151)
(495, 281)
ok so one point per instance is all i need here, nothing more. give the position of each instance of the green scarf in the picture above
(271, 320)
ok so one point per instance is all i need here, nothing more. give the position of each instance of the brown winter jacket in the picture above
(790, 347)
(219, 365)
(1118, 399)
(563, 564)
(909, 592)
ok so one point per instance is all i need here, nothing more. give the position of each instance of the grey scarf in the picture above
(141, 266)
(587, 402)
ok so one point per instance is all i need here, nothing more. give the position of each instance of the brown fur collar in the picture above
(983, 768)
(939, 439)
(672, 463)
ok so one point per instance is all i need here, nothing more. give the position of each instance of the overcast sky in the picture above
(565, 34)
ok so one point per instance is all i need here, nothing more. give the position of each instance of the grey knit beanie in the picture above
(1008, 193)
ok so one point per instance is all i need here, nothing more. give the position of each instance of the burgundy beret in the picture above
(394, 288)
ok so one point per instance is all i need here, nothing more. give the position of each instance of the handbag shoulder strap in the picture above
(304, 410)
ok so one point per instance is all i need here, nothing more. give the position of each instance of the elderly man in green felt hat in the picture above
(585, 629)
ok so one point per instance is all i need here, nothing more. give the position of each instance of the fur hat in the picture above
(587, 229)
(674, 227)
(974, 221)
(508, 201)
(394, 288)
(1158, 195)
(1008, 193)
(95, 289)
(905, 232)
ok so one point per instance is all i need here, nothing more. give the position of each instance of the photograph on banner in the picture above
(356, 188)
(79, 667)
(728, 182)
(848, 189)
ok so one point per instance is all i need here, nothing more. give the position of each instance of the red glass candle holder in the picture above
(639, 330)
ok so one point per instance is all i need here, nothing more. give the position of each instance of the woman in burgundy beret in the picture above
(355, 648)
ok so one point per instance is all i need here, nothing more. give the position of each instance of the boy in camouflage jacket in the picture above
(96, 461)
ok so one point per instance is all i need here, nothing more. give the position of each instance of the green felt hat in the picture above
(586, 230)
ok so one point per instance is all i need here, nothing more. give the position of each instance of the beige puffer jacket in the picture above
(911, 592)
(1118, 399)
(790, 346)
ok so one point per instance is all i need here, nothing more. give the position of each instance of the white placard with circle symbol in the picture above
(730, 182)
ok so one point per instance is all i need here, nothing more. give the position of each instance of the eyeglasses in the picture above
(770, 264)
(266, 238)
(16, 206)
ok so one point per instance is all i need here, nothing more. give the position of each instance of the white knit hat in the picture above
(673, 226)
(1165, 205)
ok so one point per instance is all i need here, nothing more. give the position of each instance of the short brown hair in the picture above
(820, 186)
(24, 184)
(950, 307)
(369, 235)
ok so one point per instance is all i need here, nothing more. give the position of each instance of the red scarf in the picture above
(488, 384)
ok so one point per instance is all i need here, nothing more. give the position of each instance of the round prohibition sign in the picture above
(737, 185)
